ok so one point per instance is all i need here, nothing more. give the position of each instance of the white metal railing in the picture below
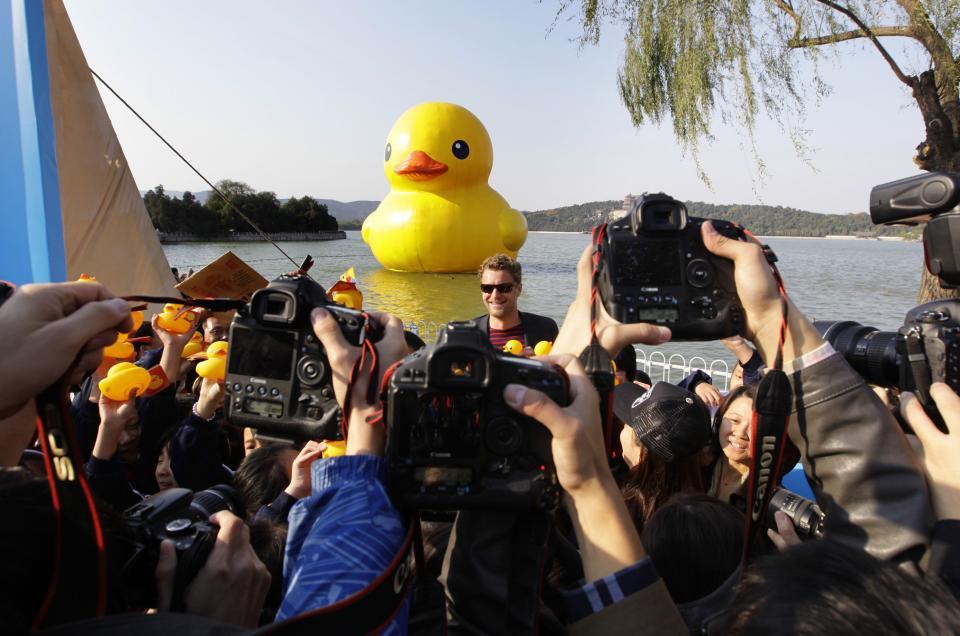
(657, 365)
(676, 367)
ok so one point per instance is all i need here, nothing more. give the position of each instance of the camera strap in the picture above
(367, 352)
(596, 361)
(768, 428)
(368, 611)
(71, 498)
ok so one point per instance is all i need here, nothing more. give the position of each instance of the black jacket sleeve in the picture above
(195, 456)
(108, 480)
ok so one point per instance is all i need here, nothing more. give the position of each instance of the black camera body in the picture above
(655, 268)
(278, 379)
(930, 347)
(926, 349)
(182, 517)
(454, 443)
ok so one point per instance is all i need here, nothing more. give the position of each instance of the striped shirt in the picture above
(499, 337)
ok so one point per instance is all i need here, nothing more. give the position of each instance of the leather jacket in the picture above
(862, 470)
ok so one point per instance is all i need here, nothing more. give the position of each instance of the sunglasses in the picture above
(503, 288)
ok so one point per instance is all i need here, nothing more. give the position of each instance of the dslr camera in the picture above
(926, 349)
(278, 379)
(183, 517)
(655, 268)
(454, 443)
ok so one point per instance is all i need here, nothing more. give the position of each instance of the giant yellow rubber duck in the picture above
(440, 214)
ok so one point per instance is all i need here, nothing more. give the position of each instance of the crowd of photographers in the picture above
(310, 536)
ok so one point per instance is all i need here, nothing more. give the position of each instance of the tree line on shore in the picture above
(215, 217)
(762, 220)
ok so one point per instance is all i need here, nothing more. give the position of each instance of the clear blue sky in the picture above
(298, 97)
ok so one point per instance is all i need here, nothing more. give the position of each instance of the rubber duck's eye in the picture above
(460, 149)
(386, 153)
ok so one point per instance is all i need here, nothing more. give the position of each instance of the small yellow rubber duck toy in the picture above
(513, 346)
(175, 319)
(543, 348)
(124, 381)
(346, 292)
(194, 346)
(440, 214)
(215, 366)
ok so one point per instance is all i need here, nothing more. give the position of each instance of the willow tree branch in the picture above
(833, 38)
(787, 8)
(903, 77)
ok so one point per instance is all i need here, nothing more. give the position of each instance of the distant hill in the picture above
(762, 220)
(341, 210)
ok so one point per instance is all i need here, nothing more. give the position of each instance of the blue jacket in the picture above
(341, 537)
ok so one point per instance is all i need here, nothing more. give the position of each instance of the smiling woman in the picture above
(731, 444)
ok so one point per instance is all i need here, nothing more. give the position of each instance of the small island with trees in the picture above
(186, 219)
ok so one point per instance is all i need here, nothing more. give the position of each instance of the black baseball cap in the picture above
(669, 421)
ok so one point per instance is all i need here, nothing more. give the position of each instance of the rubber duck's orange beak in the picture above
(420, 166)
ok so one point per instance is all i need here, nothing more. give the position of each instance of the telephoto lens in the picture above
(806, 515)
(872, 353)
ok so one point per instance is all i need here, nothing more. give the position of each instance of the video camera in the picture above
(278, 377)
(183, 517)
(454, 443)
(655, 268)
(926, 349)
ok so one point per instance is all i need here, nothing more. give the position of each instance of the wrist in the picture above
(801, 336)
(298, 491)
(205, 409)
(366, 435)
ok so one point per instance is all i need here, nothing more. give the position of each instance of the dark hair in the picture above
(695, 543)
(823, 587)
(261, 476)
(501, 262)
(653, 481)
(269, 539)
(626, 361)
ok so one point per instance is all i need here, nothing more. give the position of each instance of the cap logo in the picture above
(640, 400)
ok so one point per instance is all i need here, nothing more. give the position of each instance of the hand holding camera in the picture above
(343, 356)
(231, 586)
(605, 533)
(940, 449)
(279, 379)
(574, 333)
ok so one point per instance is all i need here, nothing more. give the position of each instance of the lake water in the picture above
(873, 282)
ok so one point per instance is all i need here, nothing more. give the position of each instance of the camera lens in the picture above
(699, 272)
(503, 436)
(806, 515)
(871, 352)
(310, 370)
(213, 500)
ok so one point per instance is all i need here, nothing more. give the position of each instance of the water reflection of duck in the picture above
(423, 298)
(440, 214)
